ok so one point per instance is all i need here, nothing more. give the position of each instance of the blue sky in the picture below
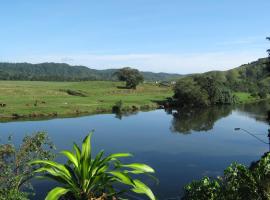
(151, 35)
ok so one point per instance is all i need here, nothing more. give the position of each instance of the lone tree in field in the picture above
(132, 77)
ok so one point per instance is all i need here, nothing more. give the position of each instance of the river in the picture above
(180, 146)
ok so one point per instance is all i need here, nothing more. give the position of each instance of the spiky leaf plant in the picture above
(85, 177)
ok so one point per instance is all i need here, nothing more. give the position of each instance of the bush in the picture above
(117, 108)
(238, 183)
(262, 94)
(14, 164)
(254, 94)
(202, 189)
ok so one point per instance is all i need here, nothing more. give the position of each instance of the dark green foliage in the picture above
(11, 194)
(238, 183)
(218, 93)
(15, 170)
(202, 91)
(204, 189)
(132, 77)
(262, 94)
(65, 72)
(47, 72)
(188, 92)
(117, 108)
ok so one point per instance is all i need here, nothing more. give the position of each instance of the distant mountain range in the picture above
(254, 72)
(65, 72)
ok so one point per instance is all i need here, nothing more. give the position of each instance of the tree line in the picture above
(65, 72)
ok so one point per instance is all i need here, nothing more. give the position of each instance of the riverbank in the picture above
(37, 99)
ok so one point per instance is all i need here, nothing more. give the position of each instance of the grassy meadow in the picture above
(47, 99)
(245, 97)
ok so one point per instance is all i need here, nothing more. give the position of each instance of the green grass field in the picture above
(46, 99)
(245, 97)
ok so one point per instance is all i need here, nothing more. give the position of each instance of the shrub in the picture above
(262, 94)
(238, 182)
(15, 170)
(117, 108)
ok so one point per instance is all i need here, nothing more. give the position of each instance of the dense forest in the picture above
(65, 72)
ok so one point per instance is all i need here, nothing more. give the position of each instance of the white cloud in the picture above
(173, 63)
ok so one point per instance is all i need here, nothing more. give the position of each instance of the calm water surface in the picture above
(180, 146)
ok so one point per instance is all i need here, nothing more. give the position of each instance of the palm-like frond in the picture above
(87, 177)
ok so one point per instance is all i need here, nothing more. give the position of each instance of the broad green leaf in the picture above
(56, 193)
(140, 167)
(141, 188)
(120, 155)
(58, 166)
(122, 177)
(71, 157)
(86, 146)
(96, 163)
(134, 171)
(78, 151)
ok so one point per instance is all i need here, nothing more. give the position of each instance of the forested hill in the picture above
(249, 81)
(65, 72)
(253, 77)
(249, 77)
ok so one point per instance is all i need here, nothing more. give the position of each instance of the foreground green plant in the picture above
(84, 177)
(14, 164)
(238, 183)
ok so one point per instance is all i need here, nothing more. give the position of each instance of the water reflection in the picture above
(258, 110)
(121, 115)
(201, 119)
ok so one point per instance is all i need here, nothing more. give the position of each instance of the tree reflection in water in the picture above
(258, 110)
(200, 119)
(203, 119)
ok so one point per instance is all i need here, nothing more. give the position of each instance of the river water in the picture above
(180, 146)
